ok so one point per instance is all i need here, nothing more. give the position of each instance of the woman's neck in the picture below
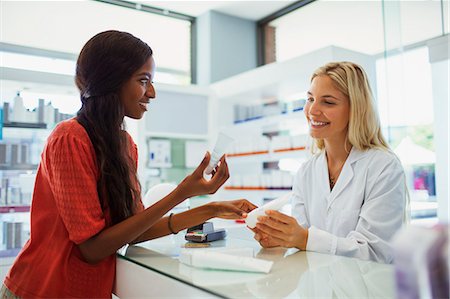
(337, 151)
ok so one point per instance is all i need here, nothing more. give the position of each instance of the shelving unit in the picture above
(14, 209)
(25, 125)
(19, 167)
(267, 156)
(17, 183)
(24, 141)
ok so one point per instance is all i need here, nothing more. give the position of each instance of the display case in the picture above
(20, 148)
(294, 274)
(23, 135)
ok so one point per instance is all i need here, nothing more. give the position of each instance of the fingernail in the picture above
(260, 218)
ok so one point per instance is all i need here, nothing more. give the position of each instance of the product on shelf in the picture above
(12, 235)
(243, 113)
(265, 145)
(19, 116)
(13, 154)
(18, 110)
(273, 180)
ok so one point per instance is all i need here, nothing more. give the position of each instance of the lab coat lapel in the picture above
(322, 168)
(346, 175)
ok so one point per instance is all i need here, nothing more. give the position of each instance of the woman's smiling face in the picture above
(327, 109)
(136, 93)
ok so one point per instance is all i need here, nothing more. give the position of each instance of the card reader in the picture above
(204, 233)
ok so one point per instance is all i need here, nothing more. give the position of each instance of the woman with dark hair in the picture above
(87, 203)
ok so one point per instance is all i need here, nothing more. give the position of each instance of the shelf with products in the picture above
(15, 225)
(24, 125)
(14, 209)
(267, 156)
(27, 121)
(24, 132)
(21, 146)
(258, 188)
(16, 190)
(20, 150)
(257, 196)
(19, 167)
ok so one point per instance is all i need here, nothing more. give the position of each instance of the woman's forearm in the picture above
(108, 241)
(178, 222)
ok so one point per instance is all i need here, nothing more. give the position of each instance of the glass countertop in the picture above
(295, 274)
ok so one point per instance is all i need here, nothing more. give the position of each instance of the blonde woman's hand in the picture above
(195, 184)
(232, 209)
(277, 229)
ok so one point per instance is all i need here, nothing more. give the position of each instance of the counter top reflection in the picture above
(295, 274)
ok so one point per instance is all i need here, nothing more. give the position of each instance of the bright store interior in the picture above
(241, 68)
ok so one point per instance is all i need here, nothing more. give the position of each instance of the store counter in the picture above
(152, 269)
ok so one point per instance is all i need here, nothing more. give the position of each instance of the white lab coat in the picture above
(362, 212)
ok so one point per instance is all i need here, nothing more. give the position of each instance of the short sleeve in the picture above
(71, 166)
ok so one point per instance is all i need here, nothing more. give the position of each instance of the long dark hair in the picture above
(105, 63)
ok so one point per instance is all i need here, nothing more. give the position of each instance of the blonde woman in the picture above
(349, 198)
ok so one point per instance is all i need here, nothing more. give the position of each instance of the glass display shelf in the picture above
(294, 274)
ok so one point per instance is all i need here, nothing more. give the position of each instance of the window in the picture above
(405, 104)
(65, 26)
(363, 26)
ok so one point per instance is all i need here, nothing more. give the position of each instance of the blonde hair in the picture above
(364, 131)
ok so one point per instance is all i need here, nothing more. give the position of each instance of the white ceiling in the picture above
(251, 10)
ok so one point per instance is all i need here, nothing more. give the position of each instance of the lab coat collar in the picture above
(346, 174)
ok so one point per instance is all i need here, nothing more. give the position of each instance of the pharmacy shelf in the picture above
(266, 156)
(254, 192)
(270, 119)
(175, 135)
(19, 167)
(257, 188)
(295, 119)
(23, 125)
(14, 209)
